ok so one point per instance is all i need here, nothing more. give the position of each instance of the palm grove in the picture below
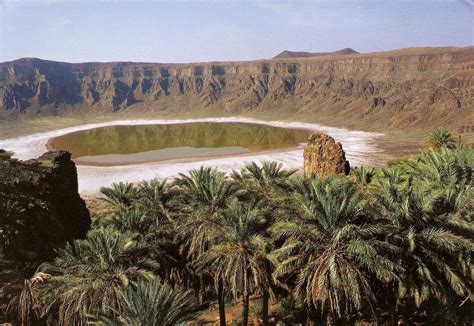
(390, 244)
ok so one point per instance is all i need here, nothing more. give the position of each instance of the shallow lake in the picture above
(119, 145)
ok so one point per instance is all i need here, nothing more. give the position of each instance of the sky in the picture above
(213, 30)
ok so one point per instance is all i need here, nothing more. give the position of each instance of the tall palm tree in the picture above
(436, 240)
(86, 274)
(119, 196)
(333, 248)
(266, 183)
(135, 219)
(10, 227)
(364, 176)
(150, 303)
(440, 138)
(441, 168)
(159, 199)
(240, 257)
(267, 187)
(149, 214)
(204, 194)
(157, 196)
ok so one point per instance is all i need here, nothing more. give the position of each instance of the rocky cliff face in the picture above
(40, 210)
(404, 88)
(324, 157)
(40, 206)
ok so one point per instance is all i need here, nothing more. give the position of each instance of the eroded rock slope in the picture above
(403, 88)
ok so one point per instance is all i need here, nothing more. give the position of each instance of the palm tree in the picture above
(266, 187)
(204, 194)
(119, 196)
(266, 183)
(440, 138)
(333, 248)
(136, 220)
(150, 303)
(10, 227)
(436, 240)
(157, 196)
(268, 176)
(159, 199)
(240, 257)
(86, 274)
(443, 167)
(150, 215)
(364, 176)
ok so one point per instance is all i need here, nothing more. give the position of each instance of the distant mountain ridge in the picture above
(301, 54)
(406, 88)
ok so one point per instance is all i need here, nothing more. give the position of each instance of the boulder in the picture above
(324, 157)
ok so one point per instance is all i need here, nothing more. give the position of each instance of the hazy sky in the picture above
(191, 31)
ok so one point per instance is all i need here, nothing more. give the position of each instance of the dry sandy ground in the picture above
(360, 147)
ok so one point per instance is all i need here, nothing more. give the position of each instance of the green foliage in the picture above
(257, 307)
(134, 219)
(157, 196)
(364, 175)
(400, 238)
(119, 196)
(441, 138)
(204, 194)
(333, 247)
(10, 224)
(85, 276)
(4, 155)
(239, 255)
(149, 303)
(432, 232)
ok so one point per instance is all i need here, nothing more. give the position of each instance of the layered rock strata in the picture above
(403, 88)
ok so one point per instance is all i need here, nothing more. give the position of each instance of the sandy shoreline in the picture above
(360, 148)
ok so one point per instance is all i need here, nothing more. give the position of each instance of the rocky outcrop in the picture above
(324, 157)
(41, 206)
(40, 210)
(404, 88)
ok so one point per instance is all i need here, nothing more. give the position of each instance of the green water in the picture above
(146, 138)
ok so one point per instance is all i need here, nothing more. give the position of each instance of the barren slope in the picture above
(302, 54)
(403, 89)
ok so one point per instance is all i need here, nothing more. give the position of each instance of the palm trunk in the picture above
(221, 301)
(202, 290)
(329, 319)
(245, 302)
(196, 288)
(265, 299)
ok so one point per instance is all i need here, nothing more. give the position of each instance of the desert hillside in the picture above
(402, 89)
(302, 54)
